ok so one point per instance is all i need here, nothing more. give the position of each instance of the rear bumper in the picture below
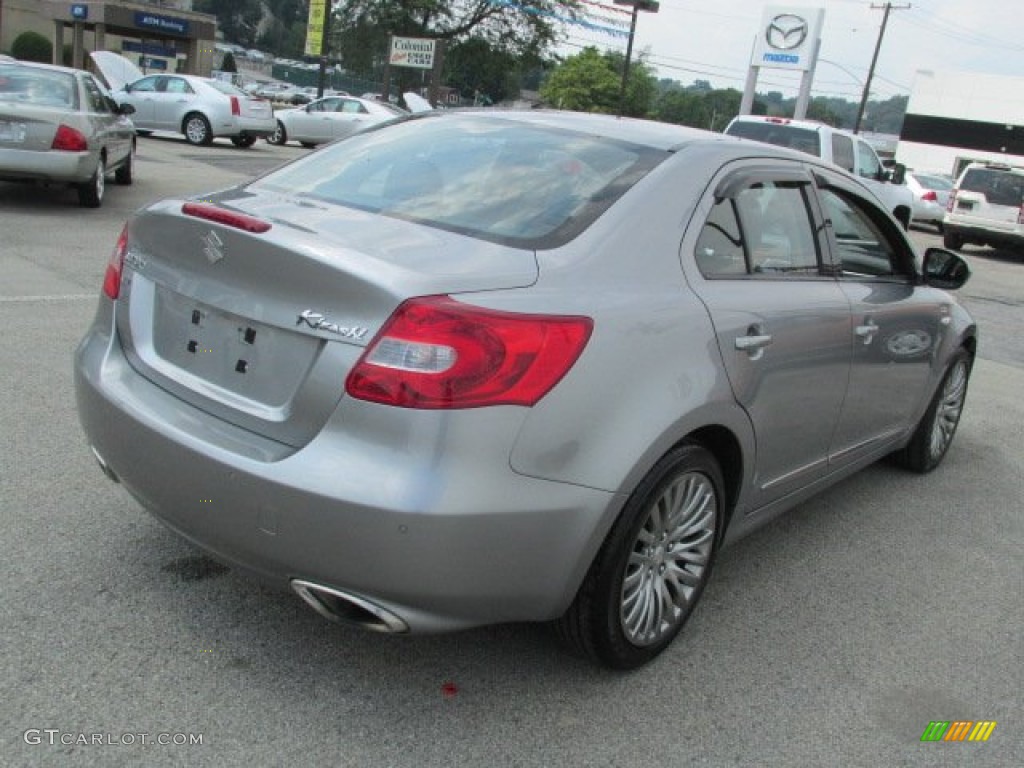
(1012, 237)
(430, 523)
(260, 127)
(47, 166)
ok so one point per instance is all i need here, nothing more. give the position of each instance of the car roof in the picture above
(664, 136)
(39, 65)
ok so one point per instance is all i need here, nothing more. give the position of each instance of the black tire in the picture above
(620, 616)
(126, 173)
(280, 136)
(197, 129)
(308, 144)
(90, 193)
(243, 142)
(934, 433)
(952, 241)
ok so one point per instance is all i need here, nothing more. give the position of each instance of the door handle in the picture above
(866, 331)
(754, 342)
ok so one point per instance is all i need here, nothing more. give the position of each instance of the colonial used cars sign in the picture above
(412, 52)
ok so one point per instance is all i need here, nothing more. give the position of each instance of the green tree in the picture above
(362, 27)
(31, 46)
(237, 19)
(586, 82)
(641, 86)
(475, 68)
(228, 63)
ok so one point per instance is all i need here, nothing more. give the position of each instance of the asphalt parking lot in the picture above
(832, 637)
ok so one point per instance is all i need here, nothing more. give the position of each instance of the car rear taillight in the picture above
(112, 277)
(236, 108)
(435, 352)
(68, 139)
(224, 216)
(952, 200)
(930, 196)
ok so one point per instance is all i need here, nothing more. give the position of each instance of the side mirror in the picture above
(945, 269)
(898, 175)
(125, 109)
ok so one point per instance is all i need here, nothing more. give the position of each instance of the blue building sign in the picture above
(79, 11)
(152, 49)
(157, 23)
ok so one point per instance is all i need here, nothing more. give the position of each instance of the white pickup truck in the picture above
(842, 148)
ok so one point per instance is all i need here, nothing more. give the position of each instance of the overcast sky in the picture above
(708, 40)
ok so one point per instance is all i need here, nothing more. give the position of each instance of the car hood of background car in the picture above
(116, 69)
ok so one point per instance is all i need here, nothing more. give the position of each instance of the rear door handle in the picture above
(866, 331)
(754, 342)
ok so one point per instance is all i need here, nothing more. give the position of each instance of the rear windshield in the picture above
(781, 135)
(934, 182)
(227, 88)
(39, 87)
(500, 180)
(998, 187)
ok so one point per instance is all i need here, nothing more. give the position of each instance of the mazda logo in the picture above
(786, 32)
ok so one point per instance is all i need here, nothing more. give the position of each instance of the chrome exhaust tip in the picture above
(104, 466)
(345, 608)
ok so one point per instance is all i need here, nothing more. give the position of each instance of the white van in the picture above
(847, 150)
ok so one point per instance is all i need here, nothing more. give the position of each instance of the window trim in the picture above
(747, 175)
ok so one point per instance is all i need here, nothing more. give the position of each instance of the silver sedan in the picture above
(58, 125)
(198, 107)
(470, 368)
(330, 118)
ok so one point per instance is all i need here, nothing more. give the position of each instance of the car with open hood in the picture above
(199, 108)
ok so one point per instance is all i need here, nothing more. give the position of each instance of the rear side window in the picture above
(764, 230)
(842, 152)
(870, 168)
(998, 187)
(502, 180)
(781, 135)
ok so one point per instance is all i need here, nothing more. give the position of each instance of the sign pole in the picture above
(385, 91)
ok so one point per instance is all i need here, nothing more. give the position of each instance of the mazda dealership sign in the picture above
(788, 37)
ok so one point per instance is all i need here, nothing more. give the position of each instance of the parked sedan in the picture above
(329, 119)
(470, 368)
(58, 125)
(931, 194)
(198, 107)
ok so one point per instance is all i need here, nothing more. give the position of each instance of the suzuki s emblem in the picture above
(786, 32)
(212, 247)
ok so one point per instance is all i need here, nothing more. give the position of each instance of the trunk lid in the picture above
(260, 330)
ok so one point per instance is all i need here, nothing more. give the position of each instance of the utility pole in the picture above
(874, 59)
(651, 6)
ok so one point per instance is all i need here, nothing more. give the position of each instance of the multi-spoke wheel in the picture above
(935, 431)
(197, 129)
(653, 565)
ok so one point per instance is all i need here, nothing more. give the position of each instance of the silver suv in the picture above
(986, 208)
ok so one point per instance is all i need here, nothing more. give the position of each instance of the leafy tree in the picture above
(31, 46)
(362, 28)
(586, 82)
(474, 67)
(228, 64)
(641, 86)
(237, 19)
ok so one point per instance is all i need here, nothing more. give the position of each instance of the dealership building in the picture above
(165, 36)
(954, 118)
